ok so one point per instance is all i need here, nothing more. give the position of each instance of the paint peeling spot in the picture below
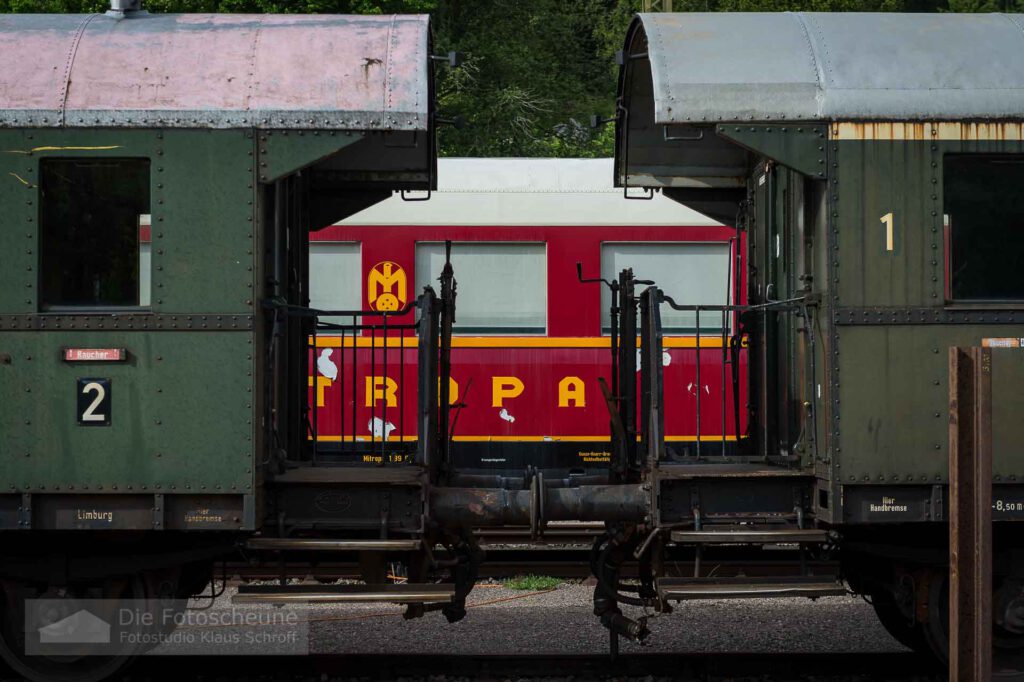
(506, 416)
(691, 388)
(326, 366)
(666, 359)
(819, 391)
(638, 359)
(548, 439)
(379, 428)
(21, 179)
(62, 149)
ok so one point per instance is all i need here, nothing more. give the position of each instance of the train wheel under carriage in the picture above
(1008, 646)
(78, 665)
(898, 624)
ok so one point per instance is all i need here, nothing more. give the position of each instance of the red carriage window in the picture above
(691, 273)
(502, 286)
(335, 277)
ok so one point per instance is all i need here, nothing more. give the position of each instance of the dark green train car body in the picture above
(181, 403)
(159, 397)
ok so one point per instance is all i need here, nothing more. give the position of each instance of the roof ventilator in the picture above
(123, 9)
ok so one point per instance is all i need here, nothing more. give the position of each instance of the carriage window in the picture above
(983, 204)
(502, 287)
(335, 277)
(91, 223)
(692, 274)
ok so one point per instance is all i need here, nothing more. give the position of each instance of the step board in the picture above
(395, 594)
(679, 589)
(332, 545)
(745, 536)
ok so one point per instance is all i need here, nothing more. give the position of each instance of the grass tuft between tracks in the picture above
(533, 582)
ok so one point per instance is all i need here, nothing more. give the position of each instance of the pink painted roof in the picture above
(216, 70)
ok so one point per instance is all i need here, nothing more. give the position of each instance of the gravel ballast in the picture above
(561, 621)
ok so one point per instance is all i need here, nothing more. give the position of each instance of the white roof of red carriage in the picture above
(528, 191)
(215, 70)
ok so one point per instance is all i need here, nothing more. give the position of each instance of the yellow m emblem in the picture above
(386, 286)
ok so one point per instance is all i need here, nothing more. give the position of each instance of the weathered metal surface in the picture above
(182, 414)
(896, 315)
(893, 394)
(215, 71)
(800, 147)
(202, 200)
(485, 507)
(682, 500)
(892, 131)
(681, 589)
(122, 509)
(883, 504)
(321, 544)
(970, 521)
(125, 322)
(396, 594)
(831, 66)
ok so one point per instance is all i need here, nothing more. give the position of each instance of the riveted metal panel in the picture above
(203, 222)
(1007, 408)
(283, 152)
(19, 200)
(883, 183)
(216, 71)
(181, 414)
(800, 147)
(755, 67)
(893, 400)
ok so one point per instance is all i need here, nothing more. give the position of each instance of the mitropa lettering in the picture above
(379, 390)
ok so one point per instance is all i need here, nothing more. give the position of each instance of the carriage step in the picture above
(395, 594)
(679, 589)
(744, 536)
(330, 545)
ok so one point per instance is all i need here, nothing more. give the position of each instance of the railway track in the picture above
(820, 667)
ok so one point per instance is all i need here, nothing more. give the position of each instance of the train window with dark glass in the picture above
(983, 203)
(94, 233)
(502, 286)
(691, 273)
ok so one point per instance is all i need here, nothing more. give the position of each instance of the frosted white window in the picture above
(692, 274)
(335, 277)
(145, 273)
(502, 288)
(145, 260)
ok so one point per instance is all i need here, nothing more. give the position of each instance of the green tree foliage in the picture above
(534, 71)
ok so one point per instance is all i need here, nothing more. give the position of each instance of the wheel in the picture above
(901, 626)
(936, 625)
(73, 664)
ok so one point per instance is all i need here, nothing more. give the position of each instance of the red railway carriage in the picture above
(530, 340)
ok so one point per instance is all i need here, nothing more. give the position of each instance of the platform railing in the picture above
(732, 331)
(368, 359)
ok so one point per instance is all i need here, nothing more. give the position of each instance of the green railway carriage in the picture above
(161, 173)
(876, 163)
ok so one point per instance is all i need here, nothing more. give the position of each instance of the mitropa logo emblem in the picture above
(387, 286)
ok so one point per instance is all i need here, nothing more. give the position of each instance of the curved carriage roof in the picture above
(215, 70)
(528, 192)
(831, 66)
